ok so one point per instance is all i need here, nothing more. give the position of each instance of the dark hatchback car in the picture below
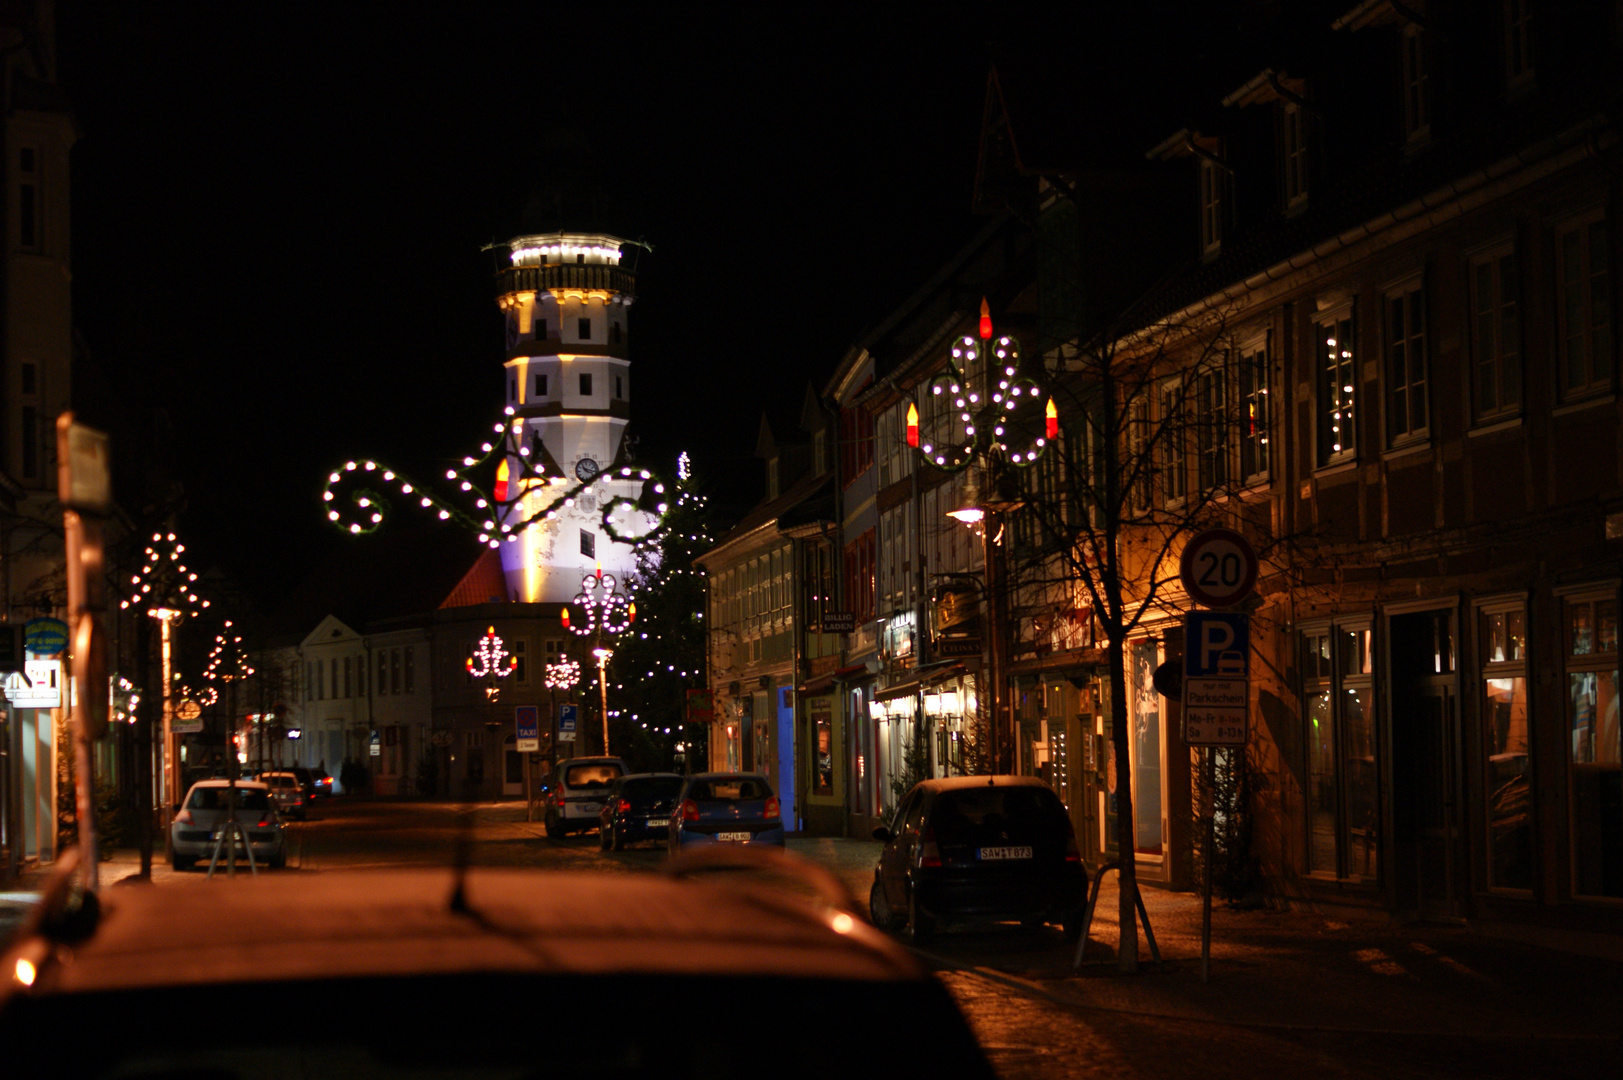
(726, 808)
(638, 808)
(978, 849)
(441, 974)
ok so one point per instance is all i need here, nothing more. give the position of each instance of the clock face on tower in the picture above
(585, 469)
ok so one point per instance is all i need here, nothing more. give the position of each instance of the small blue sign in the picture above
(45, 639)
(1217, 645)
(568, 715)
(528, 719)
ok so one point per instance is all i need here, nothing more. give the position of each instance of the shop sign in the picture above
(37, 686)
(45, 638)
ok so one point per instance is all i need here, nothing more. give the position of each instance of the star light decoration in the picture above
(357, 503)
(983, 415)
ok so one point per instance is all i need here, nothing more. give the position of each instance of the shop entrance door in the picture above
(1425, 772)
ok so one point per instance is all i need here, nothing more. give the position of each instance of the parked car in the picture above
(575, 793)
(441, 972)
(288, 793)
(204, 811)
(978, 849)
(726, 808)
(321, 782)
(638, 808)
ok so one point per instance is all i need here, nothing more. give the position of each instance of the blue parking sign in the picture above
(1217, 645)
(567, 717)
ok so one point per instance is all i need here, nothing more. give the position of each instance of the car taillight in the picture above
(929, 854)
(772, 806)
(264, 823)
(690, 810)
(184, 818)
(624, 806)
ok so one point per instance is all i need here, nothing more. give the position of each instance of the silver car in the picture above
(292, 799)
(196, 827)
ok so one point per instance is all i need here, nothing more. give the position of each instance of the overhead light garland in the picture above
(358, 495)
(984, 415)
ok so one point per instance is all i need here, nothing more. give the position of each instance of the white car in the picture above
(196, 827)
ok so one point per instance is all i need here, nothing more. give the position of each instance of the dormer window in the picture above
(1416, 85)
(1293, 147)
(1211, 207)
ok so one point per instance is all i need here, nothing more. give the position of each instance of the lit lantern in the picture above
(913, 425)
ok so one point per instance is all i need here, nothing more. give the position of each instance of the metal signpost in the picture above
(527, 740)
(1218, 569)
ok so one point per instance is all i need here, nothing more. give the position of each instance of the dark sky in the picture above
(279, 211)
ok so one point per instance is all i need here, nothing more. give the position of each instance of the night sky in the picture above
(279, 211)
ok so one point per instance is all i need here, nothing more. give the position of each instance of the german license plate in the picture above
(658, 823)
(591, 807)
(733, 837)
(1006, 852)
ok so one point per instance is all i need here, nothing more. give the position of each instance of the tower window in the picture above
(540, 386)
(614, 333)
(581, 257)
(512, 388)
(585, 329)
(538, 325)
(586, 384)
(620, 387)
(29, 379)
(588, 544)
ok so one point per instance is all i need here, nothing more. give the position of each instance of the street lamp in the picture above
(982, 411)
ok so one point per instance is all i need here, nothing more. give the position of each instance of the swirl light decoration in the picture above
(358, 495)
(985, 404)
(609, 613)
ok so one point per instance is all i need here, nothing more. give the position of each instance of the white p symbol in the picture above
(1215, 638)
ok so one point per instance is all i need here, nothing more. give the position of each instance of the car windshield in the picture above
(730, 790)
(214, 798)
(653, 787)
(988, 814)
(598, 775)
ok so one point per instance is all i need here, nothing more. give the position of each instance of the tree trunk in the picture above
(1126, 844)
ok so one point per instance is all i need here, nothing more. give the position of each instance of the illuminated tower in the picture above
(565, 298)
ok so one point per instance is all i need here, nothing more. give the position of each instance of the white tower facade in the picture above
(565, 298)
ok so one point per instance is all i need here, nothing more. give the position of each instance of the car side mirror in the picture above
(882, 834)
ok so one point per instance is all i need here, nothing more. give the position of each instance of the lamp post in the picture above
(166, 590)
(608, 615)
(560, 676)
(982, 411)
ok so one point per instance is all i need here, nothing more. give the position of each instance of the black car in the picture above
(639, 807)
(978, 849)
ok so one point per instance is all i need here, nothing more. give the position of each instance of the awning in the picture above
(905, 689)
(820, 683)
(941, 669)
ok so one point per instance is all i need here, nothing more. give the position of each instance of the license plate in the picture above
(1005, 853)
(658, 823)
(733, 837)
(591, 807)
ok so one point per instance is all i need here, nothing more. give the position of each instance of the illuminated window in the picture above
(1507, 789)
(1173, 468)
(1254, 416)
(1336, 390)
(1496, 351)
(1594, 743)
(1212, 443)
(1343, 805)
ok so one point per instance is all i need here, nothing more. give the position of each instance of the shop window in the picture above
(1595, 744)
(1507, 790)
(1146, 750)
(1342, 796)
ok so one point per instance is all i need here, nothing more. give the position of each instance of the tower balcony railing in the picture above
(598, 276)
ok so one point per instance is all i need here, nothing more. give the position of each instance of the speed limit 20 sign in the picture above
(1218, 568)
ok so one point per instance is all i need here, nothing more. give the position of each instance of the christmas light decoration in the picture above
(608, 612)
(989, 402)
(358, 499)
(490, 658)
(562, 675)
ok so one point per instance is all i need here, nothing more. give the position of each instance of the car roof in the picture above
(228, 783)
(652, 776)
(959, 783)
(343, 924)
(726, 775)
